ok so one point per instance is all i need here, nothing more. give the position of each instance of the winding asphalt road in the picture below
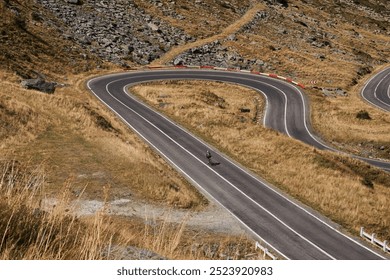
(377, 90)
(285, 226)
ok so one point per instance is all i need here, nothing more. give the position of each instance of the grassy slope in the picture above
(70, 133)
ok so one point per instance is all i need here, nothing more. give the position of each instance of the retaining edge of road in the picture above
(271, 75)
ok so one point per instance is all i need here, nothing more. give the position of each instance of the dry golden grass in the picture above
(351, 46)
(29, 232)
(177, 241)
(81, 147)
(29, 229)
(335, 120)
(331, 184)
(77, 140)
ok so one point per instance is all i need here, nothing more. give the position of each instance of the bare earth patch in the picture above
(212, 218)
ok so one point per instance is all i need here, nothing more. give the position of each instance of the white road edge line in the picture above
(365, 86)
(388, 92)
(376, 89)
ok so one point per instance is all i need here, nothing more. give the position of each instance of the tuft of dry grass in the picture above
(178, 241)
(335, 185)
(29, 232)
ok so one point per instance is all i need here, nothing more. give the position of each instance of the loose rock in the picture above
(39, 84)
(103, 29)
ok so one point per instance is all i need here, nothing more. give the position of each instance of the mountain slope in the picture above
(331, 46)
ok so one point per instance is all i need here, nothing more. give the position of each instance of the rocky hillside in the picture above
(120, 32)
(29, 43)
(293, 37)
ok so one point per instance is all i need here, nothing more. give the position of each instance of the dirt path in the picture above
(174, 52)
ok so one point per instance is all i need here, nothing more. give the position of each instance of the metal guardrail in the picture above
(373, 240)
(266, 251)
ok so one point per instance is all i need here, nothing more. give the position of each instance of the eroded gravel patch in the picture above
(213, 218)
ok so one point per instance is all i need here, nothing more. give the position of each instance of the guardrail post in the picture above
(265, 250)
(371, 238)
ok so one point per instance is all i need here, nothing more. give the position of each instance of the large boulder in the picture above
(76, 2)
(40, 85)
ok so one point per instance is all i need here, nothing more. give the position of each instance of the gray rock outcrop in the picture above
(76, 2)
(118, 33)
(216, 54)
(39, 84)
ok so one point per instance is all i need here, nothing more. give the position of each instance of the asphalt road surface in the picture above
(288, 228)
(377, 90)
